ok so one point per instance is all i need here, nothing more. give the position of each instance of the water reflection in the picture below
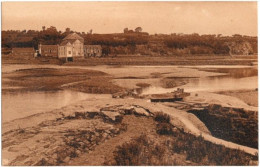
(235, 72)
(235, 79)
(18, 105)
(212, 84)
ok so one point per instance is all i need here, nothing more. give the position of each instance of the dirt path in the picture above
(135, 127)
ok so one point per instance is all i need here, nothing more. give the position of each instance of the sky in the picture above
(225, 18)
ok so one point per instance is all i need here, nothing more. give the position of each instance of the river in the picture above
(22, 104)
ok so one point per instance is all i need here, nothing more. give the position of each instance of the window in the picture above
(69, 52)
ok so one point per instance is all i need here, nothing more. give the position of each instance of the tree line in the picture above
(135, 41)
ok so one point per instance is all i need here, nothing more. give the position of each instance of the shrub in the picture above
(129, 153)
(164, 129)
(162, 117)
(204, 152)
(141, 151)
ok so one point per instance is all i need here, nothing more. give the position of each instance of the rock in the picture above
(93, 138)
(86, 142)
(46, 146)
(141, 111)
(96, 134)
(107, 131)
(13, 149)
(67, 159)
(116, 131)
(110, 114)
(55, 156)
(78, 152)
(70, 138)
(104, 135)
(81, 143)
(52, 161)
(188, 162)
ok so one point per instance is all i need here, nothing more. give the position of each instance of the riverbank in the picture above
(142, 60)
(248, 96)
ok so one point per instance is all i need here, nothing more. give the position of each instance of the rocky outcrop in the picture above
(57, 142)
(240, 48)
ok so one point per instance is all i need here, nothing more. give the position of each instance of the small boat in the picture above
(177, 95)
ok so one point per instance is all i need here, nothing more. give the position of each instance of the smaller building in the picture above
(48, 50)
(92, 51)
(26, 53)
(6, 51)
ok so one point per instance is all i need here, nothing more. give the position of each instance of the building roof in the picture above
(23, 49)
(49, 46)
(65, 42)
(93, 46)
(74, 36)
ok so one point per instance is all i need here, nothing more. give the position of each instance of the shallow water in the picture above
(235, 79)
(25, 104)
(19, 105)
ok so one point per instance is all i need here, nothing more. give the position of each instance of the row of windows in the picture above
(88, 50)
(50, 51)
(91, 50)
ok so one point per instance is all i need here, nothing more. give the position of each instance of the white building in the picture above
(71, 46)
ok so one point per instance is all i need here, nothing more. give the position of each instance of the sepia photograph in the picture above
(129, 83)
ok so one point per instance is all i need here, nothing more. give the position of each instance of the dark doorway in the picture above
(70, 59)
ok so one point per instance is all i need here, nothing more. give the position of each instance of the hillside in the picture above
(140, 42)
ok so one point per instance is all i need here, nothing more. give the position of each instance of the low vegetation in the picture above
(164, 129)
(162, 117)
(232, 124)
(177, 148)
(140, 151)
